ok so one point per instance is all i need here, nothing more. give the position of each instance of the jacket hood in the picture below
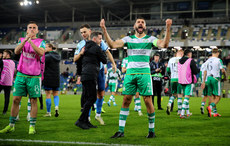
(54, 55)
(183, 59)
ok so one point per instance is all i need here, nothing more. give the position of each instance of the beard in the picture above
(140, 31)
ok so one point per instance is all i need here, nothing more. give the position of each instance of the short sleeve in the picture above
(154, 40)
(221, 64)
(80, 45)
(103, 45)
(125, 39)
(42, 44)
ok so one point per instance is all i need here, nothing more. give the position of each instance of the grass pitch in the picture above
(170, 129)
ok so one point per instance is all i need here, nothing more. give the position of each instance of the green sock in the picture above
(202, 103)
(151, 118)
(122, 118)
(138, 104)
(12, 121)
(171, 99)
(32, 121)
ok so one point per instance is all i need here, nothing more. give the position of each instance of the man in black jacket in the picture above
(91, 55)
(157, 71)
(51, 80)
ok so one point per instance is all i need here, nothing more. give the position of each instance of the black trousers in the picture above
(7, 96)
(157, 88)
(90, 96)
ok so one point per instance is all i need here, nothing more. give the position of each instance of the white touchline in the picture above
(65, 142)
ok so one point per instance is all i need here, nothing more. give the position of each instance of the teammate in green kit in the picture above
(138, 76)
(212, 72)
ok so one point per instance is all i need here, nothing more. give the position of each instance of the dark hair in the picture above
(85, 25)
(215, 50)
(187, 51)
(51, 46)
(95, 34)
(140, 17)
(31, 22)
(8, 52)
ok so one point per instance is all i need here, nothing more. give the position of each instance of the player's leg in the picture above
(111, 97)
(171, 99)
(129, 89)
(33, 115)
(19, 91)
(185, 106)
(28, 109)
(100, 95)
(48, 102)
(179, 98)
(7, 98)
(56, 102)
(138, 103)
(41, 102)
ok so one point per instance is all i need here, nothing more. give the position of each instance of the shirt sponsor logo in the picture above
(139, 52)
(29, 55)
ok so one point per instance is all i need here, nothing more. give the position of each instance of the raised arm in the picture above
(19, 47)
(109, 55)
(39, 51)
(78, 56)
(111, 43)
(165, 42)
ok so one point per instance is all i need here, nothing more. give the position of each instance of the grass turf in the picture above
(170, 129)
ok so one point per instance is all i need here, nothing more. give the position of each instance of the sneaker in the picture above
(182, 116)
(82, 125)
(189, 115)
(56, 111)
(28, 117)
(202, 110)
(32, 130)
(151, 135)
(7, 129)
(216, 115)
(102, 110)
(108, 103)
(90, 125)
(118, 134)
(209, 111)
(100, 120)
(168, 109)
(140, 113)
(89, 118)
(47, 115)
(114, 104)
(4, 113)
(160, 108)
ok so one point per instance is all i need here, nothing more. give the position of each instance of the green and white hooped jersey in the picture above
(124, 62)
(173, 67)
(213, 67)
(139, 50)
(113, 77)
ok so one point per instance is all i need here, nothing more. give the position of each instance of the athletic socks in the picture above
(12, 121)
(56, 101)
(138, 104)
(99, 106)
(202, 103)
(114, 103)
(179, 103)
(32, 121)
(185, 106)
(171, 99)
(151, 118)
(48, 105)
(28, 106)
(212, 105)
(122, 118)
(111, 98)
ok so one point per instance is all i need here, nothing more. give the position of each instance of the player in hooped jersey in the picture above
(138, 71)
(175, 86)
(212, 72)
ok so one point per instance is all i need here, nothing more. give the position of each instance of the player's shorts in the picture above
(205, 90)
(213, 86)
(51, 88)
(176, 88)
(27, 85)
(112, 87)
(187, 89)
(141, 83)
(101, 80)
